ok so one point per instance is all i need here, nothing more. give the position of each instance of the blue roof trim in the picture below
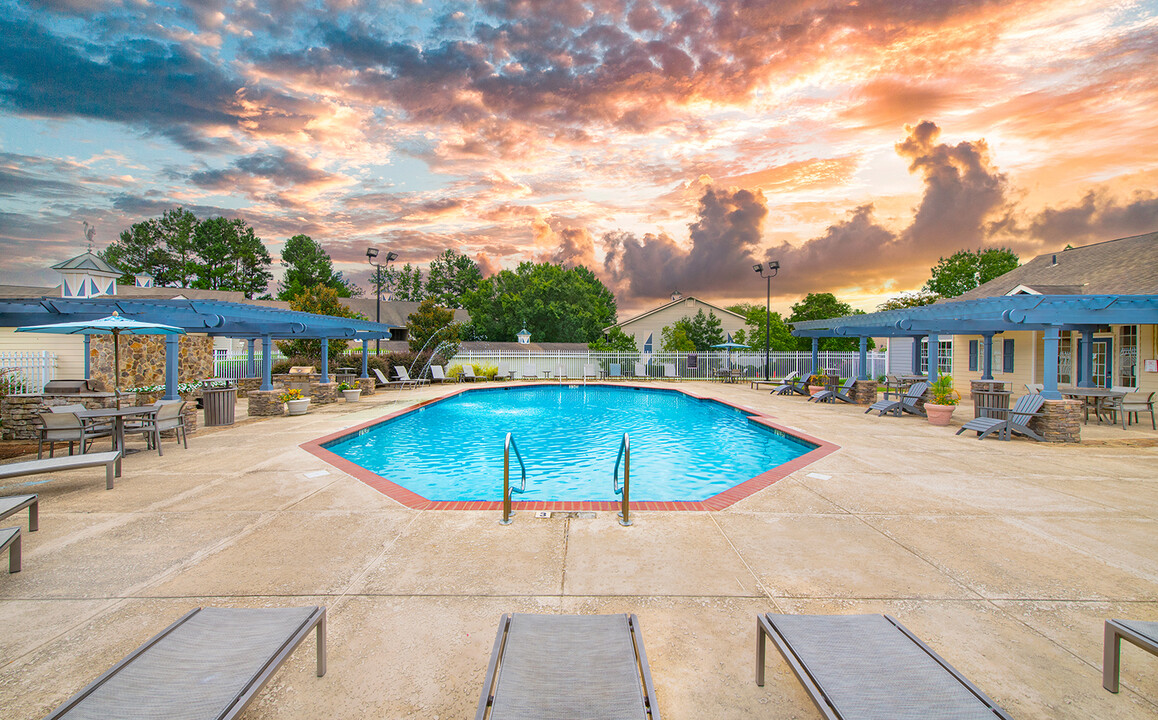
(991, 315)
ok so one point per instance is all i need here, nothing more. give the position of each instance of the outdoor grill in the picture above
(66, 387)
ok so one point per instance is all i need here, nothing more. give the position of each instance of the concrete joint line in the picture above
(755, 577)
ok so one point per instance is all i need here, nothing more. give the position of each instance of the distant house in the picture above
(646, 327)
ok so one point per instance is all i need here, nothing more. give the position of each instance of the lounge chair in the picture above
(468, 374)
(530, 372)
(641, 371)
(52, 465)
(590, 371)
(907, 403)
(669, 371)
(382, 381)
(787, 385)
(209, 664)
(1034, 388)
(67, 427)
(869, 666)
(614, 371)
(504, 372)
(568, 666)
(1016, 420)
(840, 393)
(405, 379)
(560, 373)
(1139, 632)
(10, 540)
(438, 374)
(13, 504)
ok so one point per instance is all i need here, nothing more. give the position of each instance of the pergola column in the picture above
(915, 362)
(87, 358)
(1052, 348)
(249, 370)
(934, 359)
(1087, 359)
(365, 358)
(266, 362)
(815, 355)
(987, 357)
(172, 353)
(325, 378)
(863, 374)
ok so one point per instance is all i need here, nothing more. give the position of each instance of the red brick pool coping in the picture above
(717, 502)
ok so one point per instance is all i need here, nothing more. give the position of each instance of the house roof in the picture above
(665, 306)
(1126, 266)
(88, 261)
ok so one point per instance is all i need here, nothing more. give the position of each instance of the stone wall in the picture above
(324, 393)
(18, 413)
(247, 385)
(143, 359)
(266, 403)
(864, 392)
(367, 385)
(1059, 422)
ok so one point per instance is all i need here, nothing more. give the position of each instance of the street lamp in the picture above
(372, 253)
(772, 267)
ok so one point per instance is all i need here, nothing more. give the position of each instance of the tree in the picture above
(756, 320)
(965, 269)
(382, 282)
(231, 257)
(308, 264)
(408, 284)
(820, 306)
(674, 337)
(140, 250)
(431, 318)
(176, 229)
(556, 304)
(614, 341)
(705, 331)
(320, 300)
(917, 299)
(451, 276)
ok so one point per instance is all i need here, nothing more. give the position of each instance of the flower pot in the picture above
(352, 395)
(813, 389)
(939, 414)
(298, 407)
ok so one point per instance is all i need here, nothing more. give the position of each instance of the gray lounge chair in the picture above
(568, 666)
(590, 371)
(789, 384)
(468, 374)
(209, 664)
(13, 504)
(504, 372)
(1016, 420)
(641, 371)
(405, 379)
(530, 372)
(1139, 632)
(840, 393)
(10, 539)
(906, 403)
(47, 465)
(614, 371)
(438, 374)
(669, 371)
(870, 666)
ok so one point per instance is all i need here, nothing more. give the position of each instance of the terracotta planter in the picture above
(813, 389)
(352, 395)
(939, 414)
(298, 407)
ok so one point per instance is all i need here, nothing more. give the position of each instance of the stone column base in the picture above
(367, 385)
(864, 392)
(265, 403)
(247, 385)
(324, 393)
(1060, 421)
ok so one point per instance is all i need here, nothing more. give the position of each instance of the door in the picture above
(1103, 362)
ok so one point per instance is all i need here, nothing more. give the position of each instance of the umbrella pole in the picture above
(117, 367)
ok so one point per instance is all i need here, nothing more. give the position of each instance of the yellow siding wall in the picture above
(69, 349)
(655, 322)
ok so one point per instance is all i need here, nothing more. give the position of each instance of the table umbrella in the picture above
(114, 325)
(728, 345)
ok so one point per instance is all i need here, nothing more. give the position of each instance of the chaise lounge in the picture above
(906, 403)
(1139, 632)
(1017, 420)
(838, 393)
(209, 664)
(568, 666)
(870, 666)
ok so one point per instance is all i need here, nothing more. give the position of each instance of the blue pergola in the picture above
(1051, 314)
(208, 317)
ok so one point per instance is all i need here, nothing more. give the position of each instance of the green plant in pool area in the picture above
(454, 371)
(489, 371)
(290, 395)
(943, 392)
(344, 386)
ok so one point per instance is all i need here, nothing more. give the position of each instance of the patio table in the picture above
(1099, 396)
(118, 415)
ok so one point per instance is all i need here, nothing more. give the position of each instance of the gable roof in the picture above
(1126, 266)
(714, 308)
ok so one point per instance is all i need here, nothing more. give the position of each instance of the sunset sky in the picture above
(667, 145)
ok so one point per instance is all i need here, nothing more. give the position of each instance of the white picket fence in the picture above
(27, 370)
(236, 365)
(688, 366)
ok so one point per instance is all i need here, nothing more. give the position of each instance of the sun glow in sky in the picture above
(666, 144)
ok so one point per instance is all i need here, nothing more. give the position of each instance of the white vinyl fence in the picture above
(236, 365)
(689, 366)
(27, 371)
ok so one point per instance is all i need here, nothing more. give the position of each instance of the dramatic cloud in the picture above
(1097, 217)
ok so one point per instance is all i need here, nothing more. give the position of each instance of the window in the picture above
(1065, 362)
(974, 355)
(1128, 355)
(1007, 355)
(944, 356)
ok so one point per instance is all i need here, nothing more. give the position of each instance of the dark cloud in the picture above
(283, 168)
(1098, 216)
(40, 177)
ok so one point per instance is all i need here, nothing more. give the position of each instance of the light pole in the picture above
(773, 267)
(372, 253)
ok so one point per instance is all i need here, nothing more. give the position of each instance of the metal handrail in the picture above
(507, 489)
(625, 491)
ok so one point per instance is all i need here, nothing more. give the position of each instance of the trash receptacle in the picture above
(218, 396)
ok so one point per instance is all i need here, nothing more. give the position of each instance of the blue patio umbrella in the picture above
(728, 345)
(114, 325)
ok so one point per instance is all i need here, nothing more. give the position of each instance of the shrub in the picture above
(454, 371)
(489, 371)
(943, 392)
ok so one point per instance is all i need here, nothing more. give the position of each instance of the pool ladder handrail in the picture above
(507, 488)
(625, 491)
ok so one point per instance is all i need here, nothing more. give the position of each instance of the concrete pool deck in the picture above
(1005, 557)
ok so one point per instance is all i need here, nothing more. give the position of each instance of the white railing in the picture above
(236, 365)
(27, 371)
(688, 366)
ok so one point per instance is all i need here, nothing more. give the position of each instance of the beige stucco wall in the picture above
(656, 321)
(69, 349)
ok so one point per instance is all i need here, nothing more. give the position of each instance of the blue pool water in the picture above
(682, 448)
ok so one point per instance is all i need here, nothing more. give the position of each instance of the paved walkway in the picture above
(1004, 557)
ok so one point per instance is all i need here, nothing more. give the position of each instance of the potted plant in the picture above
(815, 384)
(945, 400)
(294, 401)
(350, 393)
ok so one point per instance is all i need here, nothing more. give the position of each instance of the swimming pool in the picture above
(683, 448)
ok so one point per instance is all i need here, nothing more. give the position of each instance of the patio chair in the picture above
(166, 416)
(1139, 632)
(907, 403)
(669, 371)
(568, 666)
(789, 384)
(405, 379)
(468, 374)
(1034, 388)
(504, 372)
(1131, 406)
(641, 371)
(10, 539)
(839, 393)
(590, 371)
(614, 371)
(438, 374)
(382, 381)
(1016, 420)
(67, 427)
(869, 666)
(530, 372)
(13, 504)
(209, 664)
(560, 373)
